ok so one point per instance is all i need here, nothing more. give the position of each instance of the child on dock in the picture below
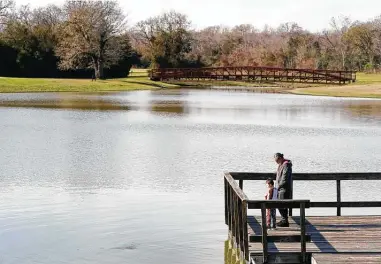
(271, 195)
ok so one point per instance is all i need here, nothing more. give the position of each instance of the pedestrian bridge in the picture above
(250, 73)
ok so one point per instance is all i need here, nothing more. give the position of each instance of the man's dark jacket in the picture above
(284, 176)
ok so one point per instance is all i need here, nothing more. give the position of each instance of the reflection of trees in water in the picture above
(364, 109)
(172, 92)
(96, 103)
(227, 259)
(292, 113)
(68, 102)
(173, 106)
(230, 254)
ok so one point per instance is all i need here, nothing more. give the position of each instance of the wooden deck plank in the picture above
(330, 219)
(320, 247)
(345, 258)
(343, 236)
(371, 222)
(370, 225)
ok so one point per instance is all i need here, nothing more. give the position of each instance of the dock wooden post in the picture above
(245, 230)
(241, 184)
(226, 192)
(264, 233)
(303, 231)
(338, 193)
(292, 197)
(230, 204)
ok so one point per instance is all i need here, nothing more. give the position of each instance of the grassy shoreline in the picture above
(367, 86)
(136, 81)
(359, 91)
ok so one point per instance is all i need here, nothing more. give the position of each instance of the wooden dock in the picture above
(254, 74)
(309, 239)
(341, 239)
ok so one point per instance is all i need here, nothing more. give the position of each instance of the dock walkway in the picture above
(331, 239)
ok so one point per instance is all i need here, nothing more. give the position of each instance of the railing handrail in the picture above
(252, 67)
(236, 187)
(358, 204)
(286, 203)
(323, 176)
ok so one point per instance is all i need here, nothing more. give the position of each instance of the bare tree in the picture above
(5, 7)
(88, 36)
(335, 38)
(376, 23)
(5, 4)
(165, 39)
(206, 45)
(363, 38)
(49, 16)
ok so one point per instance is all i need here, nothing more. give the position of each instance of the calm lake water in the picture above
(137, 177)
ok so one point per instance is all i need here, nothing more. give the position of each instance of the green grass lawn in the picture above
(137, 80)
(367, 78)
(367, 85)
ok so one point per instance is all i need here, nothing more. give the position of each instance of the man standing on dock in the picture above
(284, 185)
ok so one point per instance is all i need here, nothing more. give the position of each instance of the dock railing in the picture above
(236, 215)
(334, 177)
(237, 203)
(268, 204)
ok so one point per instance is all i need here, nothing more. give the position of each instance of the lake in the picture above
(138, 177)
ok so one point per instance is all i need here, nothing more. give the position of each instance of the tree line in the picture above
(78, 39)
(85, 37)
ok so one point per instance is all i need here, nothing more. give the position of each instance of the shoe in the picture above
(283, 224)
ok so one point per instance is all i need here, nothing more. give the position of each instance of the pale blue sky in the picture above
(310, 14)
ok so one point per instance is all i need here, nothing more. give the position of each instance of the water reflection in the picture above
(231, 254)
(219, 106)
(370, 108)
(177, 107)
(62, 101)
(145, 183)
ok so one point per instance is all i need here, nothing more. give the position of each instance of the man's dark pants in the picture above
(284, 194)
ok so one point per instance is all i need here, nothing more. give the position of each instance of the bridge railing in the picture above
(252, 73)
